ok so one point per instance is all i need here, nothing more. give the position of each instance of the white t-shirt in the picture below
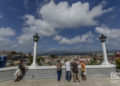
(68, 67)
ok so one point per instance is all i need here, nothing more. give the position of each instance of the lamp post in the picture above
(102, 38)
(35, 38)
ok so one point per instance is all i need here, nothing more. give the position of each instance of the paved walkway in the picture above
(53, 82)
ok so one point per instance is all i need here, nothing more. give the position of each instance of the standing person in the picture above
(59, 69)
(75, 71)
(83, 70)
(68, 70)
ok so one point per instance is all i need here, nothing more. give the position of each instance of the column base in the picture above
(106, 63)
(33, 66)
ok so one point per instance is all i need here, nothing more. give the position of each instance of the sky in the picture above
(63, 25)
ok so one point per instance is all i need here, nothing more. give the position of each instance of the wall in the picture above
(50, 72)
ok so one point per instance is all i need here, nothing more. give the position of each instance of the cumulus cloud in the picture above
(110, 33)
(5, 33)
(4, 40)
(59, 16)
(32, 26)
(6, 43)
(78, 39)
(79, 14)
(113, 35)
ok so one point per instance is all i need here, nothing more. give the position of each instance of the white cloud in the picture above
(113, 36)
(4, 32)
(78, 39)
(110, 33)
(79, 14)
(4, 40)
(59, 16)
(32, 26)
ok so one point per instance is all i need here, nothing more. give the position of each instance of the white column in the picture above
(105, 59)
(34, 64)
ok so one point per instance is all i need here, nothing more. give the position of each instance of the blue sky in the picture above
(70, 25)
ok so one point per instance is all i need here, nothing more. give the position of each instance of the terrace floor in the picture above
(54, 82)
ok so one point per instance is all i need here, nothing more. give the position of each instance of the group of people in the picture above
(71, 69)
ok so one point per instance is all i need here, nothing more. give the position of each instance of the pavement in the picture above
(54, 82)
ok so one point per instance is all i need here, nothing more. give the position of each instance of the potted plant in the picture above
(117, 64)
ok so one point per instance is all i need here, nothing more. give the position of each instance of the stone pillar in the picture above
(34, 64)
(105, 58)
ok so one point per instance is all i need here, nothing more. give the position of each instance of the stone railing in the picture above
(50, 72)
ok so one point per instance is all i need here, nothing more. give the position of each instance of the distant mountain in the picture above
(66, 53)
(72, 52)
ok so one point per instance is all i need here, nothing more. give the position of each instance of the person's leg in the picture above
(82, 75)
(66, 75)
(21, 75)
(69, 75)
(16, 78)
(23, 71)
(85, 77)
(77, 78)
(58, 74)
(74, 80)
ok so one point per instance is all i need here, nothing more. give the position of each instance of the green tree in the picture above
(40, 59)
(118, 63)
(31, 60)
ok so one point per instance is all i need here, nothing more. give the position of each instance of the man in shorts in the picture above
(75, 71)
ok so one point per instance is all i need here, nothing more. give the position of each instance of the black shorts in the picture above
(75, 71)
